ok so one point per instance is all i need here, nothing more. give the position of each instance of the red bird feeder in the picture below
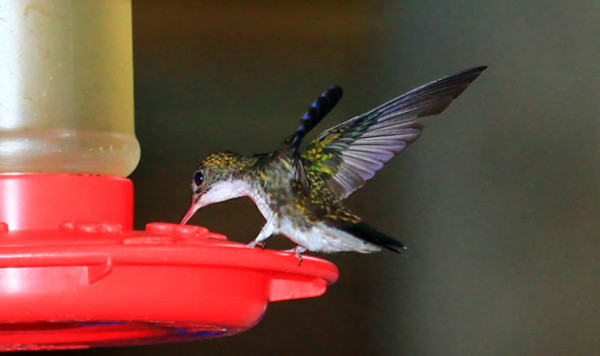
(73, 273)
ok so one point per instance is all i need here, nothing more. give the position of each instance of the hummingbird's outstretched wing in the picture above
(349, 154)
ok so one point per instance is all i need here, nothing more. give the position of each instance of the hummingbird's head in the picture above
(217, 178)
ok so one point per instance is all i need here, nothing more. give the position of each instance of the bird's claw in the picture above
(261, 244)
(298, 252)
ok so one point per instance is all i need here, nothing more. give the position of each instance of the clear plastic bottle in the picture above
(66, 87)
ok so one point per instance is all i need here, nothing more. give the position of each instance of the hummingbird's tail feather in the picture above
(315, 113)
(368, 234)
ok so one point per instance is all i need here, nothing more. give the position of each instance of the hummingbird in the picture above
(300, 192)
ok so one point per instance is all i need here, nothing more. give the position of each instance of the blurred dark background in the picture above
(498, 201)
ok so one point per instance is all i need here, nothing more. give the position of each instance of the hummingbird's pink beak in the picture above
(191, 211)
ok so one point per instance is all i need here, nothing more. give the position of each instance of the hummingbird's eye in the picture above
(198, 178)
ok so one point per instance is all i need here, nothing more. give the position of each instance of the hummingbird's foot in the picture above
(297, 251)
(261, 244)
(263, 235)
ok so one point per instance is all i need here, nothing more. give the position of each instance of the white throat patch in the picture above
(231, 189)
(225, 190)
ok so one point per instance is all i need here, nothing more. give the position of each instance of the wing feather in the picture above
(349, 154)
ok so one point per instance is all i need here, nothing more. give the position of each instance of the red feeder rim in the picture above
(73, 273)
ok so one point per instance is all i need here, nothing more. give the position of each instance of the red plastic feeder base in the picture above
(73, 274)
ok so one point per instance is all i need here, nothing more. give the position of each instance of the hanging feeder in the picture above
(73, 272)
